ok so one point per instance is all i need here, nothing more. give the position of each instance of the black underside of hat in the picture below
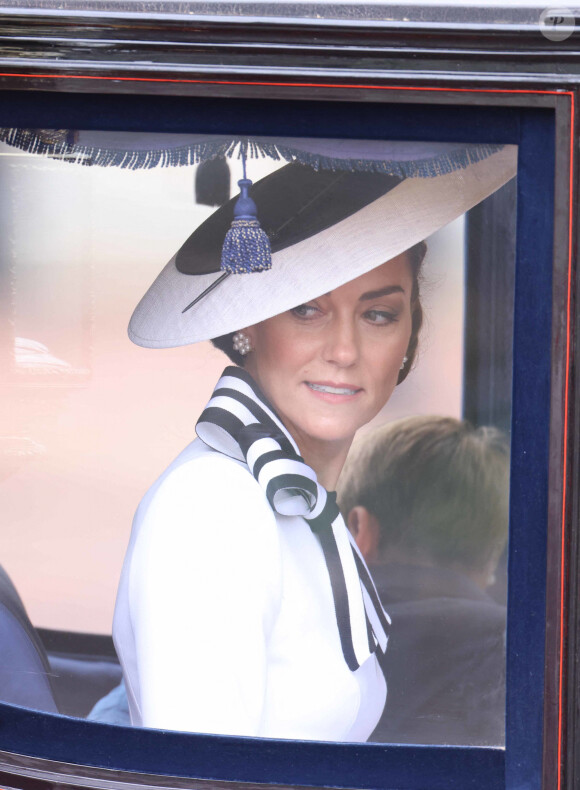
(294, 203)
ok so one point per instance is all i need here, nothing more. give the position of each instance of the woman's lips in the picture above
(331, 392)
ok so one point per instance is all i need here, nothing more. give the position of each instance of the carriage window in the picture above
(90, 420)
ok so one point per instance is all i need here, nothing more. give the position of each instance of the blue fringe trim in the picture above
(58, 144)
(424, 168)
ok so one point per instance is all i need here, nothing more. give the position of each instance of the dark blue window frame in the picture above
(389, 767)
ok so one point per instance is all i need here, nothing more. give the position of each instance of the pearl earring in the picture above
(405, 360)
(242, 343)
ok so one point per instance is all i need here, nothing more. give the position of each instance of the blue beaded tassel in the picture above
(246, 246)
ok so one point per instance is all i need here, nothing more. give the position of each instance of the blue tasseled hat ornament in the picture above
(246, 246)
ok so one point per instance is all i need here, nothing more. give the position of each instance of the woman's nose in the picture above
(341, 346)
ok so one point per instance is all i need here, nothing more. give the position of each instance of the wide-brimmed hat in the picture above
(326, 227)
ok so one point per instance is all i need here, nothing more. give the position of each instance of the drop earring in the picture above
(242, 343)
(405, 360)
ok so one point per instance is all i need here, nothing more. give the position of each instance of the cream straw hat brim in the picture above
(410, 212)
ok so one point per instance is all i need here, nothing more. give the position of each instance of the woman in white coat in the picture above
(244, 607)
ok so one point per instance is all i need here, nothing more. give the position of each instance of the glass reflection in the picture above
(75, 461)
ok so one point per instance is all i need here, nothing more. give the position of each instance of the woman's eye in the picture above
(381, 316)
(305, 311)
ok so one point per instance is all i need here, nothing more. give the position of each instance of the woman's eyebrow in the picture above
(390, 289)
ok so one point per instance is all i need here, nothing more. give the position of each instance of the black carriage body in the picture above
(353, 70)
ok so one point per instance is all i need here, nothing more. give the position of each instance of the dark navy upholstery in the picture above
(24, 669)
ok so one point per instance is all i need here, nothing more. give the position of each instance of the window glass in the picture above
(90, 420)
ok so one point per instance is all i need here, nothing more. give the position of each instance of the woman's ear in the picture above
(366, 530)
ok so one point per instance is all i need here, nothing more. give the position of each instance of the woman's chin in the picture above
(322, 432)
(322, 421)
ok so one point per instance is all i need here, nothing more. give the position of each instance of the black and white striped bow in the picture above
(239, 422)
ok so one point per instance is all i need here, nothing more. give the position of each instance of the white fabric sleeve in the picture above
(205, 587)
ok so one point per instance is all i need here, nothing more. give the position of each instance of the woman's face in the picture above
(329, 366)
